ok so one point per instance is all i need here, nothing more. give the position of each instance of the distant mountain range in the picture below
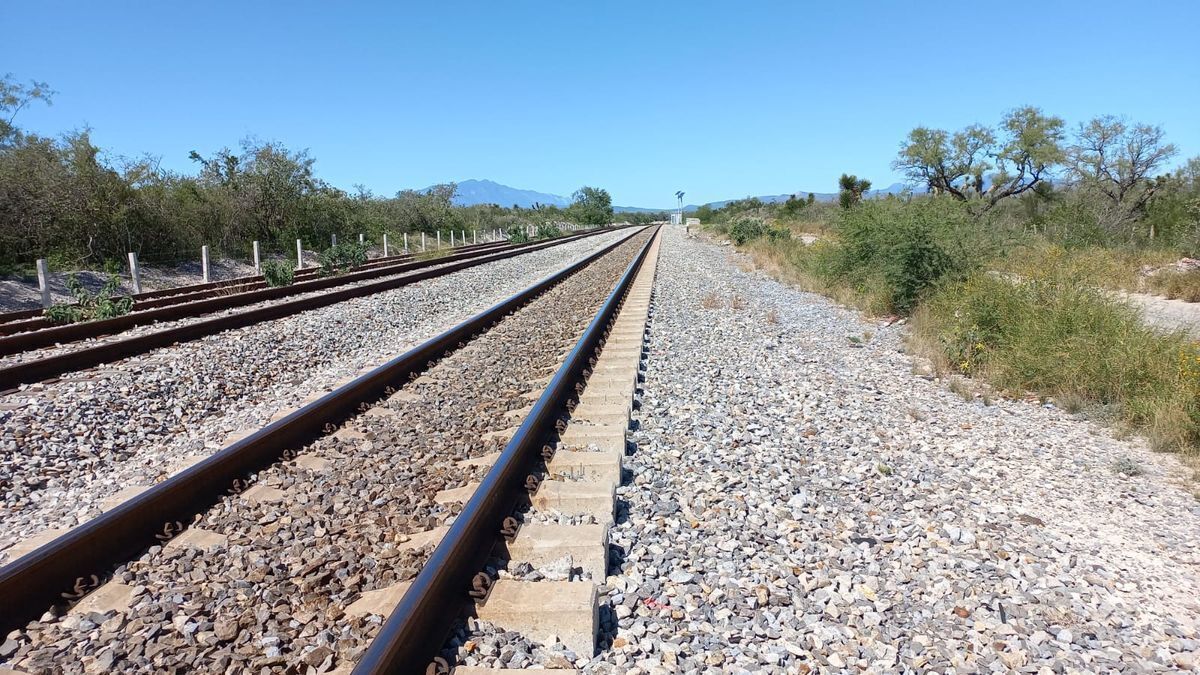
(472, 192)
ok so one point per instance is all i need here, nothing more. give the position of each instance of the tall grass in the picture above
(1054, 334)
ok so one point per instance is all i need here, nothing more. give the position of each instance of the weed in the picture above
(342, 257)
(711, 301)
(883, 469)
(737, 302)
(1128, 466)
(1054, 334)
(278, 273)
(959, 386)
(772, 317)
(1177, 285)
(89, 307)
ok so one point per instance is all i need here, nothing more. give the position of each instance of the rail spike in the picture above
(480, 586)
(438, 666)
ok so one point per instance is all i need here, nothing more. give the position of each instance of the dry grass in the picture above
(737, 302)
(772, 317)
(711, 301)
(1176, 285)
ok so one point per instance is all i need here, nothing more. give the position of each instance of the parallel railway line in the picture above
(381, 416)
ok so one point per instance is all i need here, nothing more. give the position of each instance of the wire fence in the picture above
(172, 268)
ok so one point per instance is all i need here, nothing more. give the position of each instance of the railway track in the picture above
(331, 509)
(54, 360)
(23, 320)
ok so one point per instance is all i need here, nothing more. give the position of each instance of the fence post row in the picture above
(204, 262)
(257, 266)
(44, 281)
(135, 273)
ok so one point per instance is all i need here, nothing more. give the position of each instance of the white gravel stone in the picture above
(841, 513)
(66, 446)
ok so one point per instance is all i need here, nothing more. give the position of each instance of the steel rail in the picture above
(140, 299)
(416, 630)
(34, 582)
(19, 342)
(36, 370)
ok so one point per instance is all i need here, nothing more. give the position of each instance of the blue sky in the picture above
(643, 98)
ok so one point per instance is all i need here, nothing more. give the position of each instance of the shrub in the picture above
(901, 250)
(89, 307)
(342, 257)
(1177, 285)
(518, 234)
(548, 231)
(746, 229)
(278, 273)
(1056, 335)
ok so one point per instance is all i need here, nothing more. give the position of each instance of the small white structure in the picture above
(676, 218)
(692, 222)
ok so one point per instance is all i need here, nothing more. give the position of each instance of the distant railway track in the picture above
(23, 320)
(39, 579)
(35, 369)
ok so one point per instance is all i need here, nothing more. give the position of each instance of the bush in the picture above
(278, 273)
(89, 307)
(901, 250)
(548, 231)
(746, 229)
(1056, 335)
(342, 258)
(518, 234)
(1177, 285)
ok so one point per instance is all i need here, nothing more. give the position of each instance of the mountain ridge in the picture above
(475, 191)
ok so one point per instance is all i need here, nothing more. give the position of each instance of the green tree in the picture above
(591, 206)
(1015, 156)
(1119, 160)
(14, 97)
(851, 190)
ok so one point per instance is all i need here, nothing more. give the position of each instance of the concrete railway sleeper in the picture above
(92, 354)
(353, 511)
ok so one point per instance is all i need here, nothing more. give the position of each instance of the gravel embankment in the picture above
(802, 503)
(66, 446)
(136, 331)
(273, 599)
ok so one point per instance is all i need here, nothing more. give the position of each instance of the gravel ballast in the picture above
(804, 502)
(66, 446)
(276, 594)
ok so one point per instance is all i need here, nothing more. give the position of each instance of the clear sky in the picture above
(719, 99)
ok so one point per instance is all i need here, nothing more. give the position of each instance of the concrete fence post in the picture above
(385, 250)
(257, 261)
(360, 238)
(299, 255)
(439, 240)
(406, 242)
(422, 242)
(44, 281)
(451, 238)
(333, 239)
(135, 273)
(204, 262)
(463, 238)
(474, 236)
